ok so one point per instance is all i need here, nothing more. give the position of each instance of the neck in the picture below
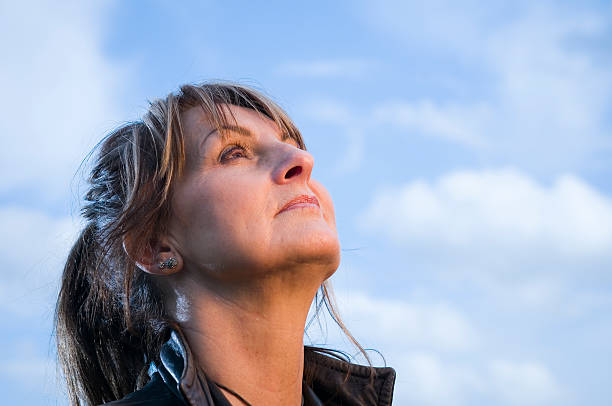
(249, 337)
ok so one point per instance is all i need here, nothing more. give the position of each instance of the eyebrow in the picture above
(237, 129)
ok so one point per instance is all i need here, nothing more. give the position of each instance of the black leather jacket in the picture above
(177, 381)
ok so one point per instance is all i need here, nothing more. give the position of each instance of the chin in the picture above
(321, 251)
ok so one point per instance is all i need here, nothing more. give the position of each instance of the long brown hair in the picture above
(110, 317)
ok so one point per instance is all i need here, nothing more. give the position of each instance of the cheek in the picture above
(325, 200)
(199, 206)
(192, 214)
(215, 212)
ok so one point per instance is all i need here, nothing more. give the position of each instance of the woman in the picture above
(205, 242)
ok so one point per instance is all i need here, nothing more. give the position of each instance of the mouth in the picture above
(301, 201)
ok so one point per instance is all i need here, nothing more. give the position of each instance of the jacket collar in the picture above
(329, 382)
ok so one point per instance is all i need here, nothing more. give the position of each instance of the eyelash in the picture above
(231, 148)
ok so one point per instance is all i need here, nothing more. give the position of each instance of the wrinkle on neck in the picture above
(249, 339)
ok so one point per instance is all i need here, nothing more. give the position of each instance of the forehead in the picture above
(197, 124)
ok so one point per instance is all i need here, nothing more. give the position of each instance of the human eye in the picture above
(233, 151)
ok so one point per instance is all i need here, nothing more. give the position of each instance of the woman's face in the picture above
(227, 209)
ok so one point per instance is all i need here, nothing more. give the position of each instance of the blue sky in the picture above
(466, 145)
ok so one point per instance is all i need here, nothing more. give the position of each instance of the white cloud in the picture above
(329, 111)
(496, 212)
(546, 103)
(60, 92)
(60, 95)
(352, 128)
(439, 23)
(524, 383)
(552, 101)
(424, 378)
(457, 123)
(27, 366)
(419, 340)
(429, 379)
(34, 247)
(436, 326)
(25, 371)
(439, 357)
(326, 68)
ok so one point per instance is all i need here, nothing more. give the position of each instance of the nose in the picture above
(295, 165)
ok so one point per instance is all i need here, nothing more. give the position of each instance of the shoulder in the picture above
(154, 393)
(340, 382)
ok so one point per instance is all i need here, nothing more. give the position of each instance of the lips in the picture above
(300, 201)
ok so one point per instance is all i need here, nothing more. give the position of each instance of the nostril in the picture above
(296, 170)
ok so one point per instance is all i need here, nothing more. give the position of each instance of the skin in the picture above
(247, 273)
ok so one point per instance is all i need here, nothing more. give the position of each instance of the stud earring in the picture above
(170, 263)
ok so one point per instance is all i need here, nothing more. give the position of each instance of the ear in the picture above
(160, 257)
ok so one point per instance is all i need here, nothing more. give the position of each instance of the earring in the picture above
(170, 263)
